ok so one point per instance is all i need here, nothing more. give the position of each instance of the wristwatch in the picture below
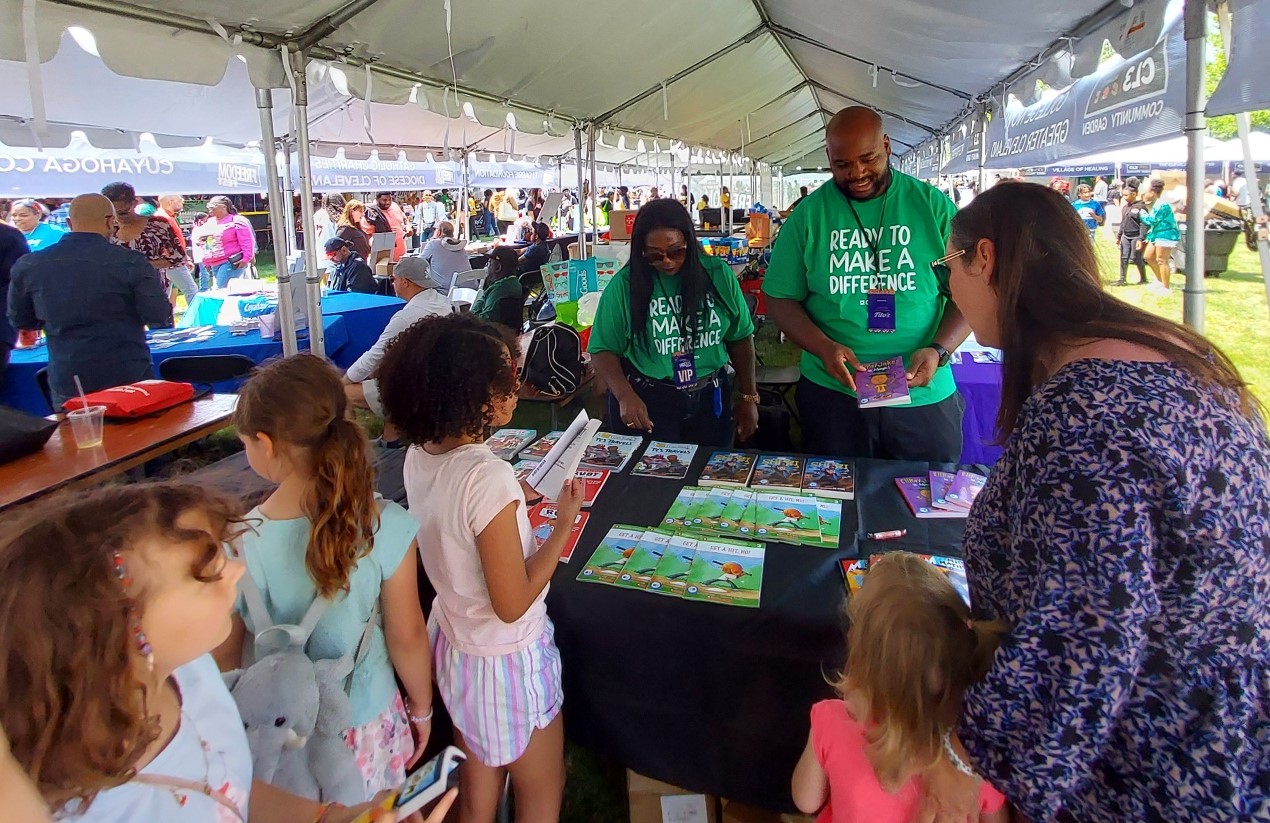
(944, 354)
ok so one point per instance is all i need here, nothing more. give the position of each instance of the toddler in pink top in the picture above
(912, 652)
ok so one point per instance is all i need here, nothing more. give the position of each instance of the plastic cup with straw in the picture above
(87, 421)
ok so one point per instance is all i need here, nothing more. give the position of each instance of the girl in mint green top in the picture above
(324, 532)
(1162, 234)
(667, 325)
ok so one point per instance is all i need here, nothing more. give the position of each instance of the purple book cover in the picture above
(965, 488)
(940, 482)
(884, 384)
(916, 491)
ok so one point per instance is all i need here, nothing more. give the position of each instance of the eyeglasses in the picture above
(655, 256)
(940, 266)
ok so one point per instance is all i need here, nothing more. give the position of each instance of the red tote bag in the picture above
(136, 399)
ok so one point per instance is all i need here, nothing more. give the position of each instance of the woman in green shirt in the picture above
(661, 381)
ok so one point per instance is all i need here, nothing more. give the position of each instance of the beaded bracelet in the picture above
(955, 759)
(417, 720)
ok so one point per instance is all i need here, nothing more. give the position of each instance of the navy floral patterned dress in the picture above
(1125, 534)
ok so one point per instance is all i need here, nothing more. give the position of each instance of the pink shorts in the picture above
(498, 702)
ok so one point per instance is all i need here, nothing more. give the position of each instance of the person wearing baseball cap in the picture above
(413, 282)
(349, 272)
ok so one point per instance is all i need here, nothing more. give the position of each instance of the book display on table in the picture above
(670, 578)
(916, 494)
(542, 522)
(882, 384)
(507, 443)
(681, 508)
(939, 484)
(592, 481)
(610, 556)
(670, 460)
(964, 489)
(829, 477)
(541, 447)
(640, 566)
(788, 518)
(610, 451)
(727, 468)
(726, 571)
(778, 472)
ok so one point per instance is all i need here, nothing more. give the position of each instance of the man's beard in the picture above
(880, 185)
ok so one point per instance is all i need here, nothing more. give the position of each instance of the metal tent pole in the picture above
(1250, 165)
(467, 218)
(288, 198)
(577, 149)
(312, 277)
(595, 191)
(983, 149)
(1195, 24)
(286, 312)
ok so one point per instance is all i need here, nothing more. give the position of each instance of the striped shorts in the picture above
(498, 702)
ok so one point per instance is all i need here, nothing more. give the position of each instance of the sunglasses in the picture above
(940, 266)
(655, 256)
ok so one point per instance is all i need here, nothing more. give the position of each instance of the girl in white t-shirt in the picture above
(109, 605)
(444, 383)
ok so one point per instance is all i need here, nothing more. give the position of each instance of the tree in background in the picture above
(1223, 128)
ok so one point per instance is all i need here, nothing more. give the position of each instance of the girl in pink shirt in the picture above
(912, 652)
(444, 383)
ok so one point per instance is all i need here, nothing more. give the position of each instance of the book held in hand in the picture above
(916, 493)
(882, 384)
(727, 468)
(829, 477)
(561, 462)
(670, 460)
(778, 472)
(610, 451)
(505, 443)
(542, 522)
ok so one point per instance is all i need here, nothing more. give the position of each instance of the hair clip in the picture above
(139, 636)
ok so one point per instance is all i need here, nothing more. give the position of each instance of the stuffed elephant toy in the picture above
(295, 712)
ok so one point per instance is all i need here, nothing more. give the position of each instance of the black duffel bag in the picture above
(22, 434)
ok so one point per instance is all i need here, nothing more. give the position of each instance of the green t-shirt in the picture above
(486, 305)
(822, 258)
(726, 320)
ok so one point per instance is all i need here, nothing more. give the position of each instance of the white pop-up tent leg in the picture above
(1195, 23)
(595, 190)
(463, 199)
(312, 277)
(277, 222)
(287, 205)
(577, 209)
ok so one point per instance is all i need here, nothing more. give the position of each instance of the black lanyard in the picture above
(872, 241)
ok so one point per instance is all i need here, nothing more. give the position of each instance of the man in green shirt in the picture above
(853, 281)
(502, 285)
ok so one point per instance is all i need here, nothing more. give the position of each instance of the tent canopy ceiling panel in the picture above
(790, 108)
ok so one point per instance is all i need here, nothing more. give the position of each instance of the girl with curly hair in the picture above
(110, 603)
(325, 533)
(444, 383)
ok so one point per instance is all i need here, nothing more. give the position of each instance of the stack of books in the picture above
(752, 514)
(940, 494)
(821, 476)
(854, 572)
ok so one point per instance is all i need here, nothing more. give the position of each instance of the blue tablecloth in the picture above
(980, 385)
(20, 390)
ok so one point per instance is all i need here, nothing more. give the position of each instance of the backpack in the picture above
(295, 709)
(553, 360)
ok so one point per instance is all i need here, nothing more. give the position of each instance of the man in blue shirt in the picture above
(12, 246)
(1089, 209)
(93, 299)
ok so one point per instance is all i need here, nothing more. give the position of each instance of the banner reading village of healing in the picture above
(28, 172)
(1137, 100)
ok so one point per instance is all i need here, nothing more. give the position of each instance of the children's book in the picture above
(830, 513)
(952, 567)
(787, 518)
(680, 510)
(748, 524)
(829, 477)
(916, 493)
(665, 460)
(542, 520)
(964, 489)
(883, 384)
(523, 468)
(706, 514)
(726, 571)
(671, 575)
(610, 556)
(734, 511)
(610, 451)
(778, 472)
(853, 572)
(939, 483)
(539, 449)
(593, 481)
(562, 460)
(726, 468)
(507, 442)
(638, 571)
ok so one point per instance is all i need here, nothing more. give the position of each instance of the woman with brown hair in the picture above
(1122, 536)
(349, 227)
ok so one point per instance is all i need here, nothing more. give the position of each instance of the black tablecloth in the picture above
(708, 697)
